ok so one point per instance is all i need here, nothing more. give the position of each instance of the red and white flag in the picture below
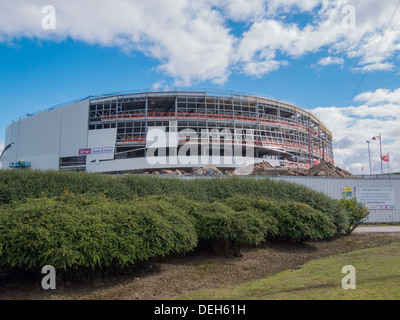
(385, 158)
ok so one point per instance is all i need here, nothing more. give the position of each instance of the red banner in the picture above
(85, 152)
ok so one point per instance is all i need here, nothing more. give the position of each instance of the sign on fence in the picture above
(376, 198)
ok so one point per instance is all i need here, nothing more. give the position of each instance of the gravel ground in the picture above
(197, 270)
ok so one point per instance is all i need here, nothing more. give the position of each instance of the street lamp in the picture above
(369, 154)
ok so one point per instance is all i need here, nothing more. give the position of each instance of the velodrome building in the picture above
(133, 131)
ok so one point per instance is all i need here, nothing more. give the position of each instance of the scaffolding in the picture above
(281, 130)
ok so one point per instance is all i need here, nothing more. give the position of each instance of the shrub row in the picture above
(17, 186)
(75, 232)
(88, 232)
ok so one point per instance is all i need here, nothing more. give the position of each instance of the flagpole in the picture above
(369, 154)
(380, 142)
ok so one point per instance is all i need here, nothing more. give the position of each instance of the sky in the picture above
(338, 59)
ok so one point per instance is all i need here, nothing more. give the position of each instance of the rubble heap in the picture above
(209, 170)
(327, 169)
(323, 169)
(264, 168)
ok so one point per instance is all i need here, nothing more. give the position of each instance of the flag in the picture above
(385, 158)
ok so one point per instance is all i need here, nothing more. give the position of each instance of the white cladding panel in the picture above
(39, 140)
(105, 138)
(9, 134)
(102, 138)
(45, 137)
(14, 138)
(11, 137)
(74, 128)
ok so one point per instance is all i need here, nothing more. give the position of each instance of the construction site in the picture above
(115, 134)
(322, 169)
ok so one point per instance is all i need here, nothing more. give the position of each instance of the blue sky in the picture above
(299, 51)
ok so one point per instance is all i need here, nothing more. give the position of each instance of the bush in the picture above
(90, 232)
(241, 203)
(226, 229)
(356, 211)
(291, 220)
(20, 185)
(301, 222)
(85, 221)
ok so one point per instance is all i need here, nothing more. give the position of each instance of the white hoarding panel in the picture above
(74, 128)
(376, 198)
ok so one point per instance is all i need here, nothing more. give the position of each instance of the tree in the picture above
(356, 211)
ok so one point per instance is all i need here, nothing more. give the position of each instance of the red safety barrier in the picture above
(257, 142)
(183, 115)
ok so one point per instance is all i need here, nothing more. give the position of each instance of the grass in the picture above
(377, 278)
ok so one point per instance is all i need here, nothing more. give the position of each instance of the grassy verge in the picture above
(377, 272)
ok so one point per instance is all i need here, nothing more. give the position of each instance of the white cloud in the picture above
(325, 30)
(375, 67)
(331, 60)
(242, 10)
(192, 40)
(353, 126)
(263, 64)
(379, 96)
(161, 86)
(189, 38)
(288, 5)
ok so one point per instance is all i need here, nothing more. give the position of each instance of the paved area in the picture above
(378, 229)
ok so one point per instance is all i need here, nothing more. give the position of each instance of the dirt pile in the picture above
(264, 168)
(326, 169)
(209, 170)
(323, 169)
(166, 171)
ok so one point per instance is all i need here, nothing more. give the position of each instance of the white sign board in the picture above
(376, 198)
(103, 150)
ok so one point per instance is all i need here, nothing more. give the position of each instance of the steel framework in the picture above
(282, 131)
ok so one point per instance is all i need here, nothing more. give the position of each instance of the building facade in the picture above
(176, 129)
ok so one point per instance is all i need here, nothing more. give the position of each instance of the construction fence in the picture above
(380, 194)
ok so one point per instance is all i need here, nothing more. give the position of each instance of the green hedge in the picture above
(81, 221)
(74, 232)
(87, 232)
(18, 185)
(288, 220)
